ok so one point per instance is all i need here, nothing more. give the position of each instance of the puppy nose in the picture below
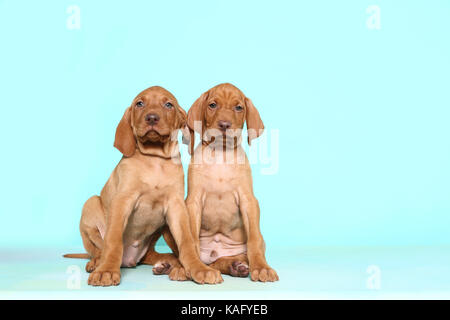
(152, 118)
(224, 125)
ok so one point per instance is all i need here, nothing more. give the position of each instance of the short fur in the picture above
(143, 194)
(223, 210)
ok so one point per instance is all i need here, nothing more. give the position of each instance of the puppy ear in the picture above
(196, 113)
(181, 119)
(125, 140)
(188, 138)
(195, 119)
(255, 126)
(181, 123)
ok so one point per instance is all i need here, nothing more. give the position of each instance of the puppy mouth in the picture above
(151, 135)
(225, 137)
(224, 133)
(151, 130)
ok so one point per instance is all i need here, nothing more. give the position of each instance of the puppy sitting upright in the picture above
(224, 212)
(144, 192)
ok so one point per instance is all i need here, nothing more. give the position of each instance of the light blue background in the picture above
(363, 114)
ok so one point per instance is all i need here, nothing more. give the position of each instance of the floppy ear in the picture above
(181, 123)
(255, 126)
(125, 140)
(181, 120)
(195, 113)
(195, 119)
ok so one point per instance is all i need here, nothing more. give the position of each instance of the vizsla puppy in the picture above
(223, 210)
(144, 192)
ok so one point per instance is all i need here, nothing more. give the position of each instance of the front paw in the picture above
(104, 278)
(178, 274)
(263, 273)
(206, 274)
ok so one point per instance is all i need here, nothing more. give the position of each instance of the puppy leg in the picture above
(91, 218)
(87, 235)
(259, 269)
(178, 273)
(178, 221)
(170, 240)
(193, 205)
(236, 266)
(107, 272)
(164, 263)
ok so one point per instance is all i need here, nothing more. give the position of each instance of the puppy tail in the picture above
(77, 256)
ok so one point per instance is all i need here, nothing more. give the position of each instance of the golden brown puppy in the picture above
(144, 192)
(223, 210)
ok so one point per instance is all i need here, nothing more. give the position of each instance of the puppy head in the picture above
(153, 117)
(222, 111)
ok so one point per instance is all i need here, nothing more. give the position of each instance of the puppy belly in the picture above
(217, 246)
(133, 254)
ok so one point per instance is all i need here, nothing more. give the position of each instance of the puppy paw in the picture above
(239, 269)
(206, 275)
(263, 274)
(92, 264)
(165, 264)
(104, 278)
(178, 274)
(161, 268)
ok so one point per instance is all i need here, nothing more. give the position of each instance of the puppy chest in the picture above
(147, 216)
(221, 212)
(220, 178)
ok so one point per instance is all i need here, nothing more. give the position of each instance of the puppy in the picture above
(223, 210)
(144, 192)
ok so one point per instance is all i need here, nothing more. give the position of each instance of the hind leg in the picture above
(92, 218)
(164, 263)
(236, 266)
(170, 241)
(177, 273)
(91, 248)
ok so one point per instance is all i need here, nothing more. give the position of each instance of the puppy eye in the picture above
(168, 105)
(139, 104)
(238, 108)
(212, 105)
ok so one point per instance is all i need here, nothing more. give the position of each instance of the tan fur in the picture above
(144, 192)
(220, 197)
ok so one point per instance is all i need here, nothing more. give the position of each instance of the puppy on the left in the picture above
(143, 194)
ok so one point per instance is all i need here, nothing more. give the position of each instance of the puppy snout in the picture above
(224, 125)
(152, 118)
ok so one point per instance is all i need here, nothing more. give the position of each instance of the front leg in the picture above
(193, 204)
(259, 269)
(178, 221)
(108, 271)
